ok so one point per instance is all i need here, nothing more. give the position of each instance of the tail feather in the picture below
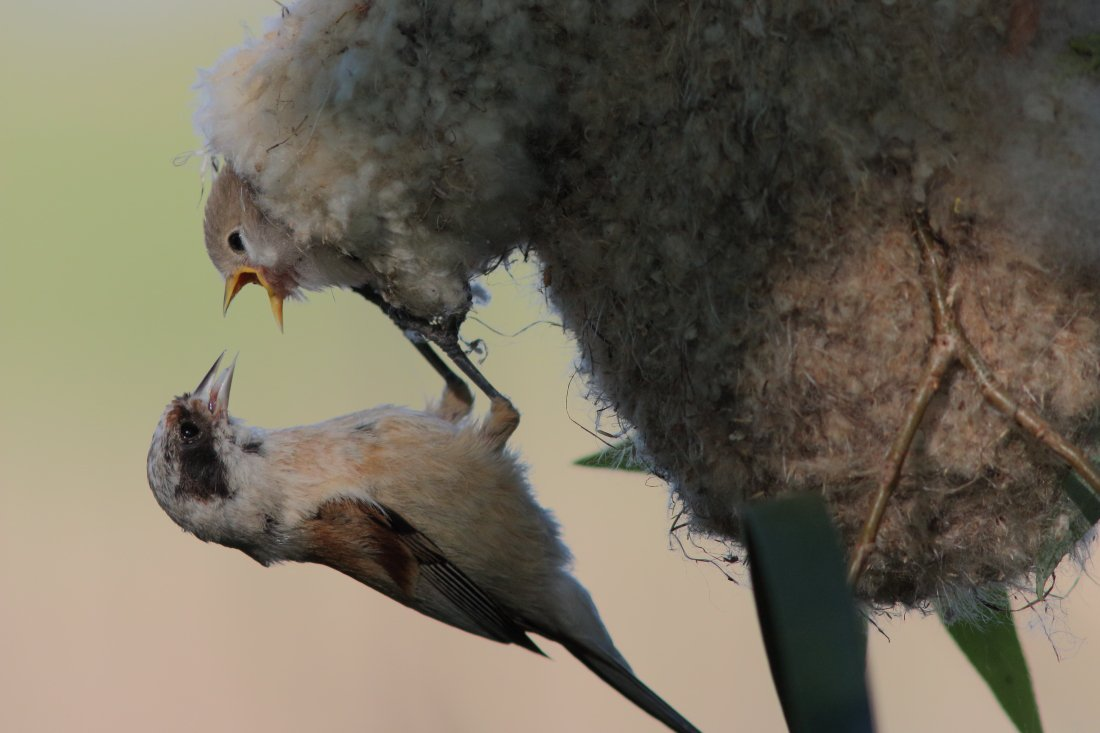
(619, 676)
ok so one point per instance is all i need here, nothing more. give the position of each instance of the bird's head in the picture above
(246, 245)
(192, 454)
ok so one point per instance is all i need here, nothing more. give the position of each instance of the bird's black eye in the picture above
(236, 243)
(189, 431)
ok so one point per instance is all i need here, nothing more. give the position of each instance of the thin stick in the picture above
(944, 354)
(994, 394)
(945, 351)
(949, 345)
(1039, 428)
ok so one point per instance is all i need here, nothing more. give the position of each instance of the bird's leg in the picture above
(503, 418)
(448, 342)
(444, 334)
(502, 422)
(457, 398)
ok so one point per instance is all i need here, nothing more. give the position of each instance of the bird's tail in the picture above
(619, 676)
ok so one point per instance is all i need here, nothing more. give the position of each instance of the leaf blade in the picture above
(807, 615)
(618, 457)
(993, 648)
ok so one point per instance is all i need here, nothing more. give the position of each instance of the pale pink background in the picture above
(111, 619)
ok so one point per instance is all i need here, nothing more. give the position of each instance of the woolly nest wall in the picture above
(725, 197)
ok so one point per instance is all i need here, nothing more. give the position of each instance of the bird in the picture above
(375, 158)
(250, 245)
(430, 508)
(351, 152)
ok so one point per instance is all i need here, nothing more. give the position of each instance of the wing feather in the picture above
(344, 528)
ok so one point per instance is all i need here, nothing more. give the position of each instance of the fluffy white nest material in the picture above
(721, 193)
(396, 123)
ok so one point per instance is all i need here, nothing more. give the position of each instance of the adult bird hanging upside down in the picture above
(428, 508)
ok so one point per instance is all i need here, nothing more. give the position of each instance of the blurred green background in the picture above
(113, 619)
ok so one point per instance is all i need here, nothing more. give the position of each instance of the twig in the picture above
(1039, 428)
(950, 345)
(944, 354)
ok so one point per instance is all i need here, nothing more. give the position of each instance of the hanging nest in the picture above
(743, 209)
(734, 244)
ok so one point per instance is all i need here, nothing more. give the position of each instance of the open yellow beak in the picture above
(243, 276)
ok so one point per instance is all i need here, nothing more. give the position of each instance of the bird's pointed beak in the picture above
(244, 275)
(213, 390)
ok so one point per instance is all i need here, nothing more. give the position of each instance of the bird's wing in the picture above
(343, 528)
